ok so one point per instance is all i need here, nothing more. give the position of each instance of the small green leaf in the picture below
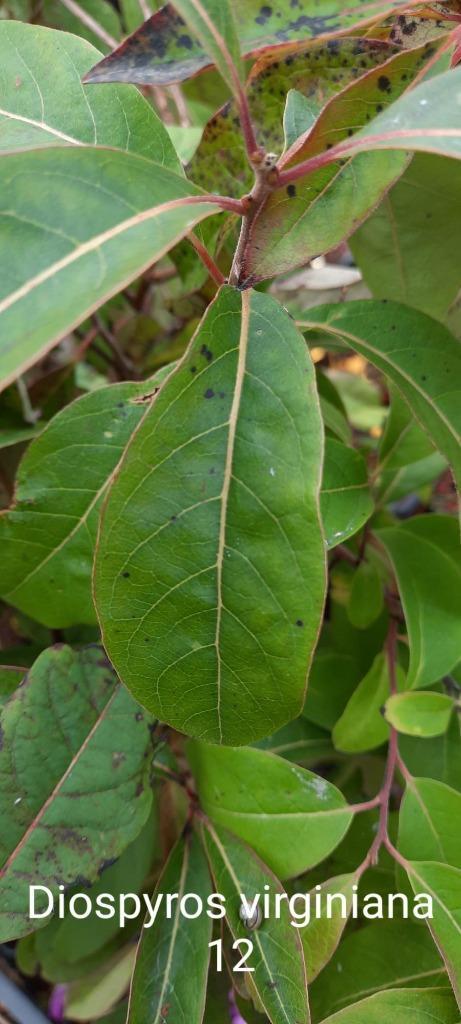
(49, 534)
(322, 935)
(374, 957)
(91, 795)
(219, 639)
(292, 818)
(426, 559)
(172, 959)
(443, 883)
(367, 597)
(279, 976)
(94, 219)
(402, 1006)
(429, 822)
(345, 499)
(300, 113)
(388, 247)
(439, 757)
(362, 726)
(43, 103)
(419, 714)
(417, 354)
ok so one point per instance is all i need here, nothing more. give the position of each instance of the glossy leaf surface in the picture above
(219, 638)
(402, 1007)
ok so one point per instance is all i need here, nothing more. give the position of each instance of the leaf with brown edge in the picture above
(313, 214)
(71, 803)
(164, 49)
(317, 72)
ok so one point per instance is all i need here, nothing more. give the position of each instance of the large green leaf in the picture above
(223, 472)
(375, 957)
(279, 975)
(43, 102)
(49, 534)
(443, 883)
(401, 1007)
(172, 959)
(426, 558)
(388, 248)
(419, 714)
(317, 73)
(75, 779)
(362, 726)
(417, 354)
(429, 822)
(314, 214)
(291, 817)
(345, 500)
(163, 51)
(78, 224)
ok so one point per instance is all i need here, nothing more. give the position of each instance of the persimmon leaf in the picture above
(279, 975)
(425, 556)
(443, 883)
(43, 103)
(291, 817)
(419, 714)
(164, 49)
(418, 354)
(219, 638)
(70, 805)
(160, 979)
(79, 224)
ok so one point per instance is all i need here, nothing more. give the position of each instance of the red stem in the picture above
(207, 260)
(383, 799)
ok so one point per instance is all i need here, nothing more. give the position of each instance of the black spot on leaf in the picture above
(209, 393)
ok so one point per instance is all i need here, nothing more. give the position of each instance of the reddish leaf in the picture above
(318, 72)
(163, 50)
(301, 220)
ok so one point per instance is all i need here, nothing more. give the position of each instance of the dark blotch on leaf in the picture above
(291, 191)
(209, 393)
(299, 622)
(125, 575)
(384, 83)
